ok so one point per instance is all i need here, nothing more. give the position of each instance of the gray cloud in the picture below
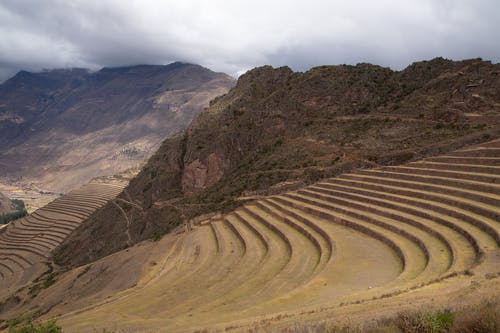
(233, 36)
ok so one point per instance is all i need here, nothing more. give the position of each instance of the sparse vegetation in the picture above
(6, 218)
(25, 324)
(20, 212)
(44, 281)
(131, 152)
(482, 318)
(425, 321)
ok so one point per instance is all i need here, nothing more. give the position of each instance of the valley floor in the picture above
(33, 198)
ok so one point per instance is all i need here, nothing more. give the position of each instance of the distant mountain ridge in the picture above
(60, 128)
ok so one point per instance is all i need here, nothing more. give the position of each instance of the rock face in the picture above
(60, 128)
(198, 175)
(6, 206)
(279, 127)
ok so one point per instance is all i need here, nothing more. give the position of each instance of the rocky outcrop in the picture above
(198, 175)
(6, 206)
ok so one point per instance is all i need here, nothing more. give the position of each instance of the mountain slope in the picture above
(361, 246)
(278, 129)
(61, 128)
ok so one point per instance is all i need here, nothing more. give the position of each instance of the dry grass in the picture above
(481, 318)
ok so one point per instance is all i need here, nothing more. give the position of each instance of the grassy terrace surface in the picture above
(355, 239)
(26, 244)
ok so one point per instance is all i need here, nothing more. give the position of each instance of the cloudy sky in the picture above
(235, 35)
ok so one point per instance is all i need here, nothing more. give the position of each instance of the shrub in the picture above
(49, 280)
(313, 175)
(439, 126)
(157, 236)
(19, 204)
(26, 325)
(425, 322)
(20, 212)
(6, 218)
(482, 318)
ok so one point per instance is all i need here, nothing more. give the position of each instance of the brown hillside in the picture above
(277, 129)
(61, 128)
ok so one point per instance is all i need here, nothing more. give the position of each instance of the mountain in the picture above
(6, 206)
(277, 130)
(60, 128)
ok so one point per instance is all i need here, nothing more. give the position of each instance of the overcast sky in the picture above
(233, 36)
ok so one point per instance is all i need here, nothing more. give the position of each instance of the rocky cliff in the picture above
(6, 206)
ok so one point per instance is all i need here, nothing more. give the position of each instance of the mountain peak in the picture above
(123, 112)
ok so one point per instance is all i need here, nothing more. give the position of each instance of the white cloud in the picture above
(233, 36)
